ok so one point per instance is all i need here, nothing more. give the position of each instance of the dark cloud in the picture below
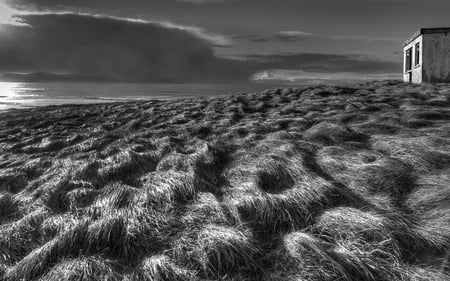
(259, 39)
(326, 63)
(202, 1)
(344, 26)
(141, 51)
(252, 38)
(291, 36)
(123, 49)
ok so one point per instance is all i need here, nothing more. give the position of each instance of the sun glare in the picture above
(7, 89)
(6, 13)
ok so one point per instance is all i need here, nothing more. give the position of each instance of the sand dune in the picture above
(317, 183)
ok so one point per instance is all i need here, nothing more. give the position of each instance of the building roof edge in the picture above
(435, 30)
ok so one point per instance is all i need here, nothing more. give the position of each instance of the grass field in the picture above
(318, 183)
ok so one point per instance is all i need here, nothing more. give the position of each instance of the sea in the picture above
(25, 95)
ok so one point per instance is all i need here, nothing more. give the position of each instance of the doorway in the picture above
(408, 63)
(408, 60)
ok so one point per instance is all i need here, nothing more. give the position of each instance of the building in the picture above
(427, 56)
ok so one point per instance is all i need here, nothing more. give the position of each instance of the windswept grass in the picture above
(9, 207)
(222, 250)
(332, 134)
(318, 183)
(84, 268)
(160, 267)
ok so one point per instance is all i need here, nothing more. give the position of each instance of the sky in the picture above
(212, 40)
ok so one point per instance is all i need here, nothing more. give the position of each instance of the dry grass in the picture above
(83, 268)
(222, 250)
(319, 183)
(160, 267)
(8, 206)
(301, 256)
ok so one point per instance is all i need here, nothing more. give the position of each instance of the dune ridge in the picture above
(314, 183)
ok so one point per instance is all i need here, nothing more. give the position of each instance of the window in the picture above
(417, 55)
(408, 60)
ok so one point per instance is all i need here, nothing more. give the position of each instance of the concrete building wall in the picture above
(416, 69)
(436, 57)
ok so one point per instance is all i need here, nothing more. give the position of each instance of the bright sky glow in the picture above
(7, 89)
(6, 13)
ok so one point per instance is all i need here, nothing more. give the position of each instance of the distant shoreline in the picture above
(33, 94)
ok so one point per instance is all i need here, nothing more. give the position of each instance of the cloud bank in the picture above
(326, 63)
(292, 35)
(145, 51)
(299, 76)
(201, 1)
(119, 48)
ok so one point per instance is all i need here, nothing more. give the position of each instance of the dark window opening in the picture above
(417, 56)
(408, 60)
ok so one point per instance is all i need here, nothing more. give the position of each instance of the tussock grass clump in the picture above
(427, 274)
(9, 207)
(68, 242)
(51, 145)
(109, 235)
(124, 166)
(174, 161)
(345, 222)
(35, 264)
(368, 260)
(203, 130)
(387, 175)
(423, 153)
(81, 197)
(89, 143)
(19, 238)
(82, 268)
(332, 134)
(383, 124)
(291, 209)
(129, 234)
(348, 117)
(170, 187)
(205, 165)
(273, 176)
(208, 166)
(283, 135)
(115, 234)
(117, 195)
(34, 168)
(439, 102)
(367, 173)
(207, 209)
(2, 270)
(393, 229)
(161, 268)
(272, 166)
(366, 244)
(432, 192)
(304, 257)
(56, 198)
(52, 187)
(335, 160)
(88, 172)
(57, 224)
(435, 114)
(12, 182)
(222, 250)
(429, 202)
